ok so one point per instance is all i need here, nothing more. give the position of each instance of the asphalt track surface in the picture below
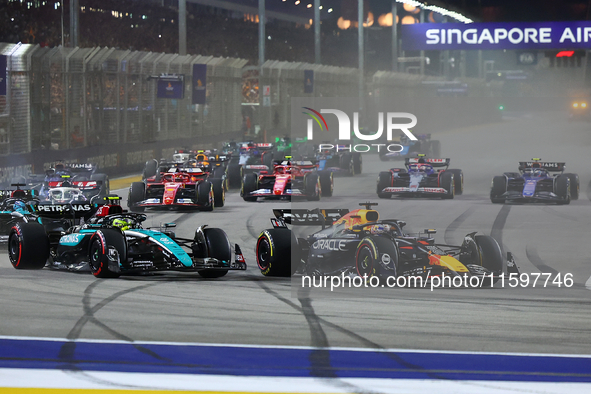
(247, 308)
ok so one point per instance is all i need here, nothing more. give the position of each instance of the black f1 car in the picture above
(359, 243)
(421, 179)
(116, 244)
(534, 183)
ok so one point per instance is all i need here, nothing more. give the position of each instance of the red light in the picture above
(565, 53)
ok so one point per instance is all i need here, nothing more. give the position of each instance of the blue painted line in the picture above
(289, 362)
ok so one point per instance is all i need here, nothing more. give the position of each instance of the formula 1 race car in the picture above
(179, 188)
(339, 161)
(117, 244)
(420, 179)
(534, 183)
(14, 208)
(289, 179)
(82, 176)
(248, 153)
(423, 145)
(359, 243)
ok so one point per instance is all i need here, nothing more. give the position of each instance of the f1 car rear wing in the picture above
(545, 165)
(81, 167)
(432, 162)
(307, 217)
(18, 193)
(67, 211)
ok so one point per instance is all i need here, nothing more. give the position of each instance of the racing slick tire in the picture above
(382, 154)
(562, 189)
(250, 183)
(220, 173)
(326, 183)
(357, 163)
(574, 186)
(28, 246)
(274, 252)
(150, 169)
(137, 193)
(388, 256)
(458, 181)
(346, 163)
(436, 149)
(234, 175)
(104, 179)
(218, 246)
(447, 182)
(101, 242)
(313, 186)
(267, 159)
(490, 253)
(367, 258)
(384, 181)
(205, 196)
(219, 193)
(498, 188)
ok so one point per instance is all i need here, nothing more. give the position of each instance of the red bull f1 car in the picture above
(535, 183)
(359, 243)
(288, 179)
(422, 177)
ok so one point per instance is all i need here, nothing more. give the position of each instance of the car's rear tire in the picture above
(574, 186)
(357, 163)
(435, 149)
(273, 252)
(384, 181)
(326, 183)
(205, 196)
(150, 169)
(105, 188)
(346, 163)
(562, 189)
(498, 188)
(312, 187)
(458, 181)
(250, 183)
(219, 193)
(99, 252)
(447, 182)
(137, 193)
(218, 246)
(28, 246)
(234, 175)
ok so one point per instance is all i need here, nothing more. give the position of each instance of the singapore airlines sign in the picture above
(507, 35)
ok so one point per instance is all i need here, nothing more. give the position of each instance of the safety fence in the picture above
(63, 98)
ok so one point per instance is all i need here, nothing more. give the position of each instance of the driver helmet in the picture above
(121, 223)
(537, 172)
(380, 229)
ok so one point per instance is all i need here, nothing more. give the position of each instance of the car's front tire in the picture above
(28, 246)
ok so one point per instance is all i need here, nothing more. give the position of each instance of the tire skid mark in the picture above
(250, 227)
(534, 258)
(67, 350)
(456, 224)
(366, 342)
(497, 228)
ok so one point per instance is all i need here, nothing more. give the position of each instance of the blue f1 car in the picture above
(535, 183)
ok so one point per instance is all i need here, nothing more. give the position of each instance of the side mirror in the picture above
(169, 225)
